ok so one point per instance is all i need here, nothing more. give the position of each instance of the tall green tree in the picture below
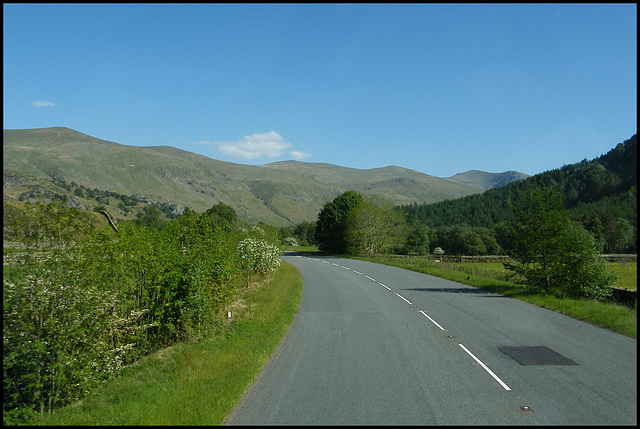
(581, 272)
(331, 226)
(552, 253)
(417, 239)
(373, 226)
(305, 232)
(149, 216)
(222, 216)
(535, 236)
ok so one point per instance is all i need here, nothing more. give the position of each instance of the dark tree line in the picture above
(601, 194)
(126, 203)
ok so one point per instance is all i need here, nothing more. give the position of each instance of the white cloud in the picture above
(43, 103)
(257, 145)
(299, 156)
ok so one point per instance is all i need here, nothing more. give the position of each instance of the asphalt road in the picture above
(373, 344)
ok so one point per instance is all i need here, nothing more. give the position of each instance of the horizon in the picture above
(321, 162)
(441, 89)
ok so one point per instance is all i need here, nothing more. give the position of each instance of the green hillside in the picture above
(600, 193)
(281, 193)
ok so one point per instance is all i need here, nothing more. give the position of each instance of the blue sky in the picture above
(440, 89)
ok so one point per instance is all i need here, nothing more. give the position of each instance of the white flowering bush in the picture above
(259, 256)
(56, 343)
(291, 241)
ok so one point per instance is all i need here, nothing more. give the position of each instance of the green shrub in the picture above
(554, 254)
(85, 301)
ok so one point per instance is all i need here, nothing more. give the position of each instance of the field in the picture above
(626, 271)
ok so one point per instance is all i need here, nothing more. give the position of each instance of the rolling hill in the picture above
(280, 193)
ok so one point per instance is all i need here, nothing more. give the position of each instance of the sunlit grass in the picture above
(309, 249)
(493, 277)
(196, 383)
(627, 273)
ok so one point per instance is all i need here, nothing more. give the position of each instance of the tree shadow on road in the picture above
(465, 290)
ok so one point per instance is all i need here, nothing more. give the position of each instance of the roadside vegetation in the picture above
(81, 302)
(128, 323)
(548, 250)
(196, 382)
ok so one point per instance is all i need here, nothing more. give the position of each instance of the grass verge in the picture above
(196, 383)
(614, 317)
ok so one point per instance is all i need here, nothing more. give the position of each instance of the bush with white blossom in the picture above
(291, 241)
(259, 256)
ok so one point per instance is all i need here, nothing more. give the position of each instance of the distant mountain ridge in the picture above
(485, 180)
(280, 193)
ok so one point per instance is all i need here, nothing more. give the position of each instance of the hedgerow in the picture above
(80, 302)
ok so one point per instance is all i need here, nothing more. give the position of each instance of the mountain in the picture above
(484, 180)
(280, 193)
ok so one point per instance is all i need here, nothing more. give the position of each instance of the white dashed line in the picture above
(502, 383)
(485, 368)
(403, 298)
(432, 321)
(384, 286)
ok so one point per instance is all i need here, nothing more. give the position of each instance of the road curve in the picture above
(373, 344)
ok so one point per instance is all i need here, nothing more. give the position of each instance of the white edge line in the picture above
(485, 368)
(432, 321)
(403, 298)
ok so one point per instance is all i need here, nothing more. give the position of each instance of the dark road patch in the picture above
(536, 355)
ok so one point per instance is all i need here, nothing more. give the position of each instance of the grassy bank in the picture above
(627, 273)
(196, 383)
(492, 277)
